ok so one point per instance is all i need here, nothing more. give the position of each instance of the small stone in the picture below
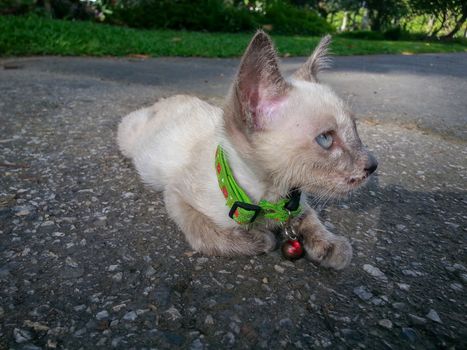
(101, 341)
(265, 280)
(150, 271)
(130, 316)
(457, 287)
(58, 234)
(409, 333)
(21, 335)
(385, 323)
(463, 277)
(433, 315)
(37, 326)
(399, 306)
(80, 332)
(23, 211)
(202, 260)
(102, 315)
(410, 273)
(112, 268)
(404, 286)
(363, 293)
(197, 345)
(417, 320)
(209, 320)
(286, 323)
(79, 307)
(70, 262)
(228, 339)
(116, 341)
(375, 272)
(173, 313)
(279, 269)
(118, 277)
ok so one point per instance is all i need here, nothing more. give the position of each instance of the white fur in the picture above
(173, 144)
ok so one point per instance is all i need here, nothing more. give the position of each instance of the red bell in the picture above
(292, 249)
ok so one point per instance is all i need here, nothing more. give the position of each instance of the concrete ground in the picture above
(89, 258)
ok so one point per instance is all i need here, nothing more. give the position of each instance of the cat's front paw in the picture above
(329, 250)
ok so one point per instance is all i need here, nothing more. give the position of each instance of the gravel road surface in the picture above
(89, 258)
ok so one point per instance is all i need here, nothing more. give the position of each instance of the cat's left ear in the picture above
(259, 87)
(318, 61)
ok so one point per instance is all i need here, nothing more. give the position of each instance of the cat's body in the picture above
(267, 128)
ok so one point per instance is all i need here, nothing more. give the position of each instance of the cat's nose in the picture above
(371, 165)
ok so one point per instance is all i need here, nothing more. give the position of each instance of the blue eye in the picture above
(325, 140)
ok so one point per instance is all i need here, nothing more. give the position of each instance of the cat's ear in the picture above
(318, 61)
(259, 88)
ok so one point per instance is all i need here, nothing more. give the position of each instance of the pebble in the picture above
(404, 286)
(399, 306)
(363, 293)
(375, 272)
(70, 262)
(417, 320)
(409, 333)
(197, 345)
(112, 268)
(130, 316)
(279, 268)
(457, 287)
(173, 313)
(286, 323)
(433, 315)
(209, 320)
(21, 335)
(463, 277)
(228, 339)
(118, 277)
(411, 273)
(385, 323)
(150, 271)
(102, 315)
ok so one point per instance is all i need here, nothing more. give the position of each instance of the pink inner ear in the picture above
(267, 111)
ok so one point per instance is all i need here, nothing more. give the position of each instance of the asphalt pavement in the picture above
(89, 258)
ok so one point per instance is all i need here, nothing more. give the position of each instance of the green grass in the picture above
(24, 36)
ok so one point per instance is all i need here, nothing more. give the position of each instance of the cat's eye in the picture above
(325, 140)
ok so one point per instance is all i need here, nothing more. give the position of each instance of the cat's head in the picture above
(294, 132)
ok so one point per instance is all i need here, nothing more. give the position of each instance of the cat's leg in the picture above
(322, 246)
(205, 237)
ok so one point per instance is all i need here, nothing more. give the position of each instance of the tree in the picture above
(450, 14)
(382, 13)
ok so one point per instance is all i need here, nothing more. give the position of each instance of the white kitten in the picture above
(278, 135)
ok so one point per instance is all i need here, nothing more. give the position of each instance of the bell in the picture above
(292, 249)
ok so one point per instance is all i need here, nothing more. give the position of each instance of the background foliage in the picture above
(369, 19)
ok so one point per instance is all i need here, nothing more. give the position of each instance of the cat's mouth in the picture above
(355, 181)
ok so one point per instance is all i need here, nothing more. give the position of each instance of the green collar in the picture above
(242, 210)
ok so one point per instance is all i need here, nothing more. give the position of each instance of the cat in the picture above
(278, 135)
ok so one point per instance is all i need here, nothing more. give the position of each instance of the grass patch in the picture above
(24, 36)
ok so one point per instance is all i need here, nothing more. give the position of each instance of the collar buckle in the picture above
(246, 206)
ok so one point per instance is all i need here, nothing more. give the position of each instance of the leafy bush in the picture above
(284, 18)
(362, 34)
(16, 7)
(218, 16)
(210, 15)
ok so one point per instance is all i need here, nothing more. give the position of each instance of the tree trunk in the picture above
(456, 28)
(365, 20)
(344, 21)
(436, 31)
